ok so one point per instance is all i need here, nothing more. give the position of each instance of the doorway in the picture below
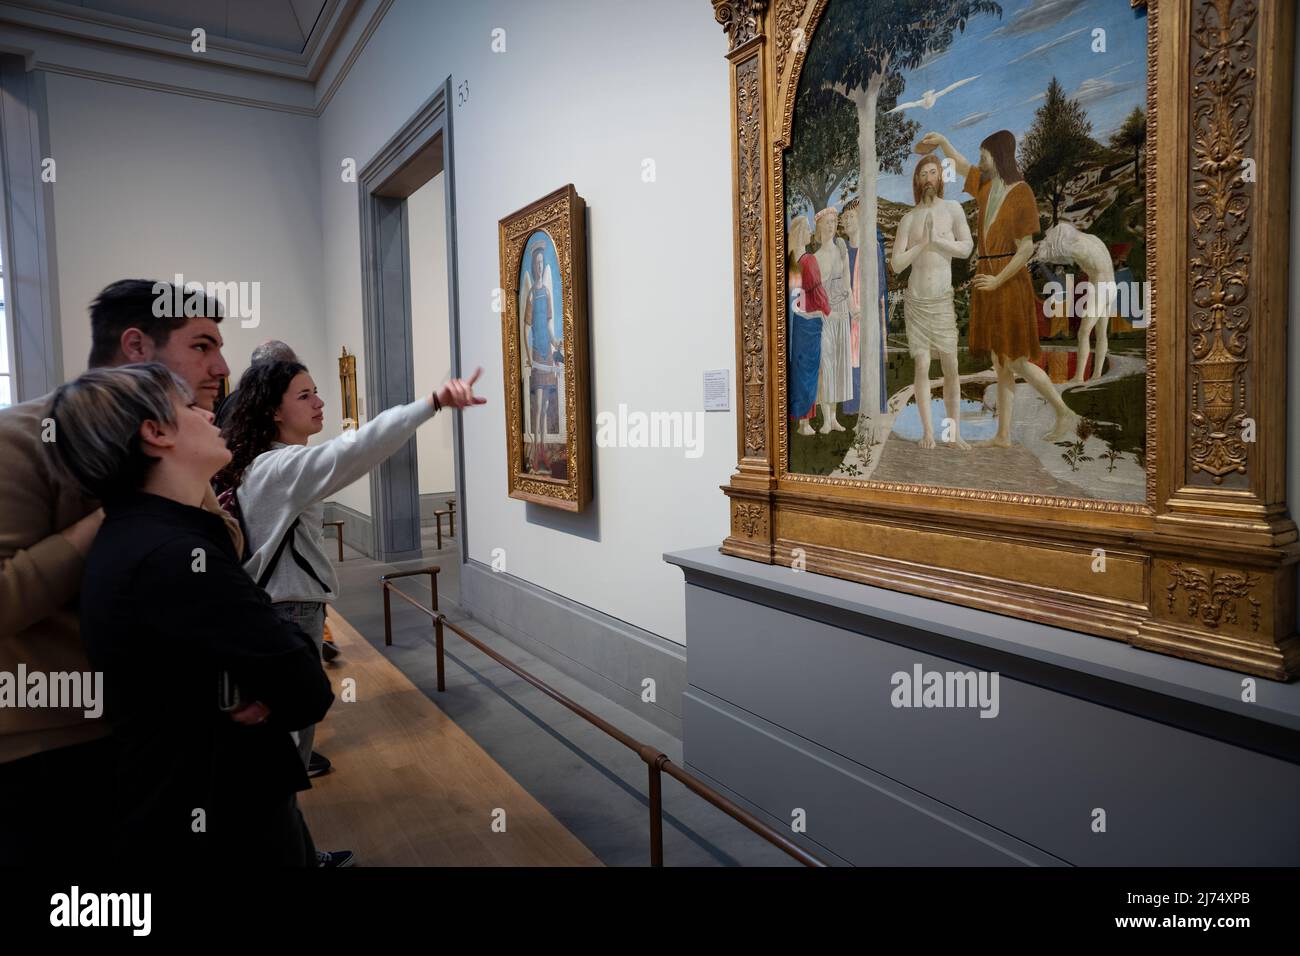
(418, 158)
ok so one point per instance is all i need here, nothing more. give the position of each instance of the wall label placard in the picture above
(717, 390)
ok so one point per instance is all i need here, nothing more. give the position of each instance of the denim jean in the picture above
(310, 616)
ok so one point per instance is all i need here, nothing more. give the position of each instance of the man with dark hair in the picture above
(136, 320)
(52, 760)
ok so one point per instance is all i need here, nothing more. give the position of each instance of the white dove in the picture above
(930, 97)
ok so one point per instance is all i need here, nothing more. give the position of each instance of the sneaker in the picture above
(337, 858)
(318, 765)
(328, 651)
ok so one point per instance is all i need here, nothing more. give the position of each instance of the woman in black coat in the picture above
(203, 681)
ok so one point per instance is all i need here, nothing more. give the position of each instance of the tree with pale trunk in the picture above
(861, 51)
(823, 157)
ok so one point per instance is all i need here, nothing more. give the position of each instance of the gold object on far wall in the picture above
(348, 387)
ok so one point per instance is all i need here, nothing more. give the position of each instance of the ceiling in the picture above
(281, 26)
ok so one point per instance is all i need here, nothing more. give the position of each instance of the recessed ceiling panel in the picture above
(278, 24)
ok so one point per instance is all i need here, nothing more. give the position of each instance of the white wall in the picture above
(151, 184)
(430, 332)
(584, 92)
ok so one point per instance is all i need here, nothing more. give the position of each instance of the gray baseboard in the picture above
(435, 501)
(358, 529)
(610, 656)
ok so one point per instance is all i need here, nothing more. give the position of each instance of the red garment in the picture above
(815, 298)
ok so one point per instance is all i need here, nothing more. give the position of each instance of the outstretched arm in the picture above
(308, 473)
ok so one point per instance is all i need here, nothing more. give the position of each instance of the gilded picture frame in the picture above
(1203, 564)
(545, 352)
(348, 388)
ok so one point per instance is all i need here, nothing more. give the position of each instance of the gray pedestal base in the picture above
(1092, 753)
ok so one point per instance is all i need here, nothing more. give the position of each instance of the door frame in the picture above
(417, 152)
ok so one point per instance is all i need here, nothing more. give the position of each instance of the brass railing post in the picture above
(385, 581)
(437, 640)
(388, 618)
(656, 815)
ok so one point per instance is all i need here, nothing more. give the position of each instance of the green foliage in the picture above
(895, 133)
(857, 40)
(1057, 147)
(1131, 137)
(1114, 224)
(823, 154)
(823, 157)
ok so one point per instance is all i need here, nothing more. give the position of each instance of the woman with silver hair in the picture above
(203, 681)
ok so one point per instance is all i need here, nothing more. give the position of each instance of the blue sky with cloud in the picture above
(1013, 58)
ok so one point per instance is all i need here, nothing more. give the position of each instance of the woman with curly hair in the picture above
(281, 483)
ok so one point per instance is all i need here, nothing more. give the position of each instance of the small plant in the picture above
(866, 449)
(1074, 454)
(1111, 456)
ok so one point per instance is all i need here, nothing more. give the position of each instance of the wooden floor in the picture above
(410, 788)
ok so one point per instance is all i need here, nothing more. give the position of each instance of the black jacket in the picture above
(166, 609)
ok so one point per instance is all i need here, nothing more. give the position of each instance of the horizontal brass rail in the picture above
(656, 761)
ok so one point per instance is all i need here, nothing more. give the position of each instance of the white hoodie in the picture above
(288, 481)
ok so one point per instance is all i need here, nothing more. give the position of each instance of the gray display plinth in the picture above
(1094, 753)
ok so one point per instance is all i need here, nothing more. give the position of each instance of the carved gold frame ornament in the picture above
(562, 215)
(1205, 567)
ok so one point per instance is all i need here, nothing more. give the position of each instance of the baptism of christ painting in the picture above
(966, 258)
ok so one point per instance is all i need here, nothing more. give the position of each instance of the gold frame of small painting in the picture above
(546, 375)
